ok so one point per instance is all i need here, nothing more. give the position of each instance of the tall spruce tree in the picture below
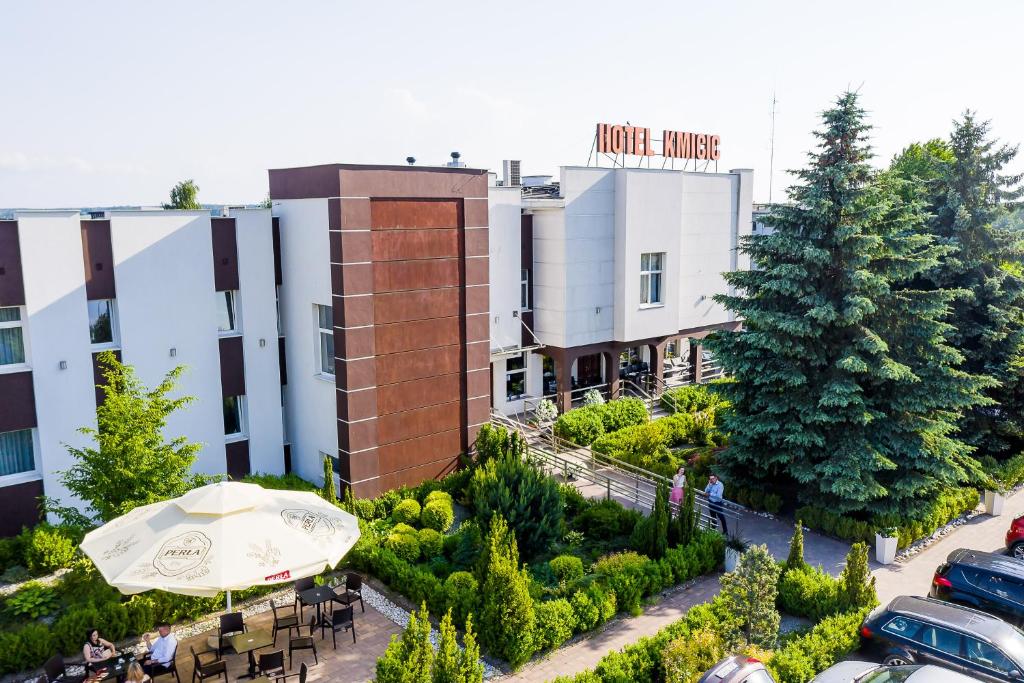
(846, 385)
(968, 194)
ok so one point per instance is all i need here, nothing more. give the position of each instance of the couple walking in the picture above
(714, 491)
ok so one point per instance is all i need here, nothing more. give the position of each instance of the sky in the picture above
(107, 103)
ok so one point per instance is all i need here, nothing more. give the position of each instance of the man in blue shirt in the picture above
(714, 490)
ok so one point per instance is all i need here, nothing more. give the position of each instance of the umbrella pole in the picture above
(229, 601)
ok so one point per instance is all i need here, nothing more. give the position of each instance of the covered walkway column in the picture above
(611, 372)
(696, 361)
(657, 352)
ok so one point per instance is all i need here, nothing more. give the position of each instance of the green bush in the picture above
(686, 658)
(644, 445)
(407, 511)
(808, 592)
(439, 494)
(12, 553)
(405, 544)
(431, 543)
(556, 622)
(69, 629)
(581, 426)
(567, 568)
(691, 399)
(462, 595)
(1011, 472)
(25, 648)
(622, 413)
(624, 574)
(606, 520)
(31, 601)
(47, 549)
(464, 546)
(141, 614)
(507, 616)
(829, 641)
(287, 482)
(529, 500)
(585, 612)
(438, 513)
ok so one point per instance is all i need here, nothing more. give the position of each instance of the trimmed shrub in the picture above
(431, 543)
(624, 574)
(69, 630)
(438, 514)
(461, 595)
(584, 610)
(686, 658)
(47, 549)
(606, 519)
(507, 617)
(808, 592)
(622, 413)
(408, 511)
(829, 641)
(691, 398)
(556, 622)
(438, 494)
(405, 544)
(581, 426)
(795, 560)
(567, 568)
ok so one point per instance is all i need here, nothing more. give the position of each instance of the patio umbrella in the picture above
(221, 537)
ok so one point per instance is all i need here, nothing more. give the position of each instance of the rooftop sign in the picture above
(615, 139)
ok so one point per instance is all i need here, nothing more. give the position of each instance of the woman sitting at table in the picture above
(136, 674)
(96, 649)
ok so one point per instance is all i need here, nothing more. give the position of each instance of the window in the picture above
(12, 344)
(16, 452)
(942, 640)
(325, 316)
(650, 278)
(524, 289)
(989, 657)
(901, 626)
(227, 313)
(234, 415)
(515, 377)
(102, 322)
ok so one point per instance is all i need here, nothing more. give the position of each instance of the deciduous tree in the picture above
(184, 195)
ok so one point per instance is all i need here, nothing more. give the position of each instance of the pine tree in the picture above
(507, 618)
(328, 492)
(846, 380)
(795, 560)
(409, 659)
(968, 194)
(750, 593)
(452, 665)
(858, 585)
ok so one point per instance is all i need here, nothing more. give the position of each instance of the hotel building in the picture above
(375, 315)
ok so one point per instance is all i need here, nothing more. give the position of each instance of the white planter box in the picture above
(885, 549)
(994, 503)
(732, 558)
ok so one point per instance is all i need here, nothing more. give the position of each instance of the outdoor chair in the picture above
(55, 669)
(301, 642)
(303, 670)
(215, 668)
(352, 592)
(285, 620)
(229, 624)
(271, 664)
(302, 585)
(339, 620)
(171, 668)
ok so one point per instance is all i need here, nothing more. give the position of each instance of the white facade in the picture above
(310, 396)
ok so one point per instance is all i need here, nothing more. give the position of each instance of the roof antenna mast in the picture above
(771, 154)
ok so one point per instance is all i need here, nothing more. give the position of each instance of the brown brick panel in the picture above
(417, 393)
(401, 181)
(477, 242)
(353, 311)
(355, 373)
(358, 466)
(398, 245)
(477, 327)
(232, 366)
(478, 356)
(225, 254)
(407, 213)
(354, 342)
(478, 382)
(478, 299)
(356, 278)
(395, 307)
(356, 405)
(18, 407)
(421, 450)
(410, 365)
(413, 423)
(417, 334)
(406, 477)
(12, 288)
(357, 436)
(354, 215)
(304, 182)
(98, 256)
(479, 410)
(476, 213)
(237, 453)
(352, 246)
(20, 507)
(477, 271)
(394, 276)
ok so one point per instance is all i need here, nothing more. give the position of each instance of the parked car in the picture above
(868, 672)
(912, 630)
(1015, 538)
(738, 669)
(991, 582)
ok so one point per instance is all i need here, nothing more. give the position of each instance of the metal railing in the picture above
(615, 477)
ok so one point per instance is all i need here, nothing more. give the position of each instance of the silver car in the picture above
(738, 669)
(867, 672)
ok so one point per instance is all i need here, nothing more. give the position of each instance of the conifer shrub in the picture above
(556, 622)
(567, 568)
(407, 512)
(438, 513)
(431, 543)
(462, 595)
(507, 617)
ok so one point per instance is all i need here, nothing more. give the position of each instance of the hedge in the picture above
(585, 425)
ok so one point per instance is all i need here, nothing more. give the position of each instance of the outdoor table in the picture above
(317, 595)
(248, 643)
(112, 668)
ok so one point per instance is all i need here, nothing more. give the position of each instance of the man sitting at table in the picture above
(160, 652)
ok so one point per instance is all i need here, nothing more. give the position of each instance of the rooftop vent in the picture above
(455, 163)
(510, 173)
(411, 161)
